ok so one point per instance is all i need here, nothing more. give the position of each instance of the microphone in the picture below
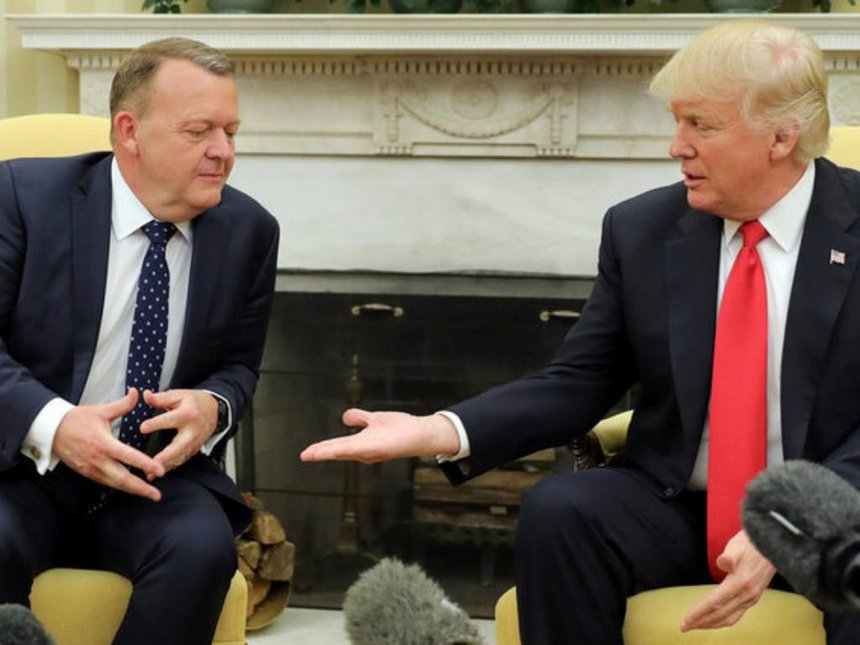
(396, 604)
(18, 626)
(805, 519)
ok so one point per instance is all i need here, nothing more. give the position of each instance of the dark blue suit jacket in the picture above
(54, 238)
(651, 319)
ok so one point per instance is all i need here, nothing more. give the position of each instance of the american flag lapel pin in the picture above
(837, 257)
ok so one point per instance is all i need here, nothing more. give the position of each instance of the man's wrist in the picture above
(222, 420)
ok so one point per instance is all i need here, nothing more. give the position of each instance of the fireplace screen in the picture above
(417, 353)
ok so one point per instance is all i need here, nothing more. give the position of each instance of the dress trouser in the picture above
(179, 553)
(587, 540)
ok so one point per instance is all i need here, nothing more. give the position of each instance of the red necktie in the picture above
(737, 448)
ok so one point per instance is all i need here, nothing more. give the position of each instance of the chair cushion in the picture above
(85, 607)
(779, 618)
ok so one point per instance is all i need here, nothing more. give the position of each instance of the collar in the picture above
(128, 214)
(784, 220)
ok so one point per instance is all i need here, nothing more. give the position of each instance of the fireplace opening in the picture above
(410, 343)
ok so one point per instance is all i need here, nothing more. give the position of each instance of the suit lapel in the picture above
(692, 272)
(210, 232)
(91, 225)
(817, 295)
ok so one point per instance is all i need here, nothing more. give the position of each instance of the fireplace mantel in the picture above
(292, 34)
(439, 144)
(450, 85)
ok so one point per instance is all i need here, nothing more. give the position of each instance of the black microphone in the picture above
(805, 519)
(18, 626)
(397, 604)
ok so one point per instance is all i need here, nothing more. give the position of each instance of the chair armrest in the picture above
(602, 442)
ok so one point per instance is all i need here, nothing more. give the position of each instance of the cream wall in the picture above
(33, 81)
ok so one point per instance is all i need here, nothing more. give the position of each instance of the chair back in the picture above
(53, 135)
(845, 146)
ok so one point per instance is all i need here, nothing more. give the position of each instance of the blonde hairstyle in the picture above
(777, 74)
(131, 84)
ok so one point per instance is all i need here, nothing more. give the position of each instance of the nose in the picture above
(680, 147)
(221, 145)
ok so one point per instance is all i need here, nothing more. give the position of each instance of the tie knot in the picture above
(158, 232)
(753, 233)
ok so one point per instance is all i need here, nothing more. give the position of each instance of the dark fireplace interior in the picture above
(409, 343)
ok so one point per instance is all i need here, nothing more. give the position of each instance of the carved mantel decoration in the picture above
(450, 86)
(459, 144)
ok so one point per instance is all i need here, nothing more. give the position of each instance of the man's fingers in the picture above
(166, 420)
(356, 418)
(133, 485)
(339, 448)
(705, 612)
(134, 458)
(174, 454)
(164, 400)
(121, 406)
(720, 608)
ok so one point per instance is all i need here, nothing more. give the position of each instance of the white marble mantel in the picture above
(456, 143)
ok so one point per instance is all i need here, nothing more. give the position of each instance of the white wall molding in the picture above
(453, 144)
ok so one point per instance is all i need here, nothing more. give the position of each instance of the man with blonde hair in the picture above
(731, 299)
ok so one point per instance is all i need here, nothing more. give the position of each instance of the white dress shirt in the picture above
(778, 252)
(106, 379)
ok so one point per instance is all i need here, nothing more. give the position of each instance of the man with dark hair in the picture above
(135, 289)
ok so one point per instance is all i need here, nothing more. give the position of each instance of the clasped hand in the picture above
(85, 443)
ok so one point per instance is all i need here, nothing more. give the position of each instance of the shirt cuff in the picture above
(464, 439)
(207, 447)
(39, 440)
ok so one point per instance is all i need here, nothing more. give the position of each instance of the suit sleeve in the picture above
(235, 377)
(21, 395)
(589, 373)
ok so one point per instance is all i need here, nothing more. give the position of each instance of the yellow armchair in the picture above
(86, 607)
(654, 616)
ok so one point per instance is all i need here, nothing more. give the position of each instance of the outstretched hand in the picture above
(85, 443)
(387, 435)
(748, 573)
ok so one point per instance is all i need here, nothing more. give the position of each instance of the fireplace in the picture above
(331, 347)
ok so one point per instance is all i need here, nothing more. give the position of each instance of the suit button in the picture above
(669, 491)
(35, 453)
(464, 467)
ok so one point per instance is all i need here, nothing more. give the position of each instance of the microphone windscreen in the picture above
(18, 626)
(397, 604)
(794, 513)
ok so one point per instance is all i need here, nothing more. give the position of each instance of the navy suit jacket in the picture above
(651, 319)
(55, 226)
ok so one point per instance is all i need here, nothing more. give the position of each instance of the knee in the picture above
(555, 509)
(209, 553)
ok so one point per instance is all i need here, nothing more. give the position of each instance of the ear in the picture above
(784, 141)
(125, 129)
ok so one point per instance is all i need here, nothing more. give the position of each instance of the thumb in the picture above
(356, 417)
(724, 563)
(122, 406)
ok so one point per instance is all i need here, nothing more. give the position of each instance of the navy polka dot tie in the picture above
(149, 330)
